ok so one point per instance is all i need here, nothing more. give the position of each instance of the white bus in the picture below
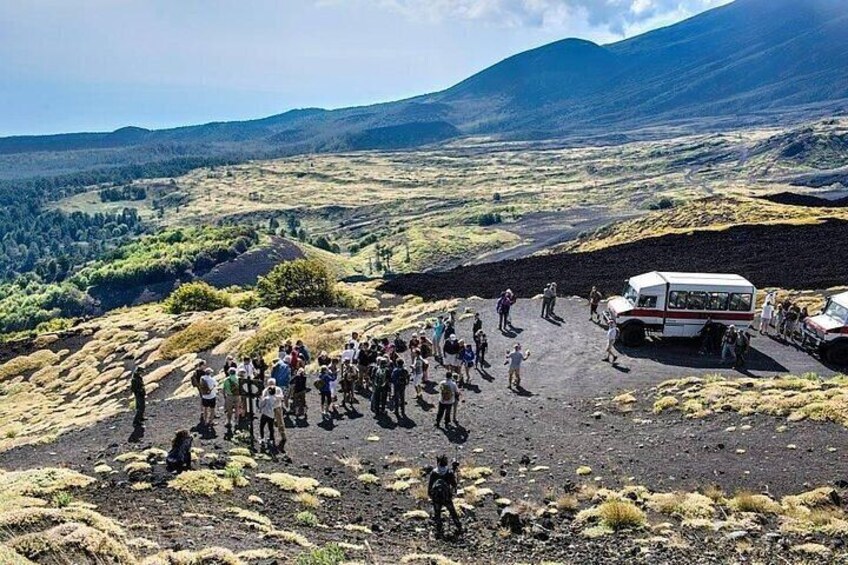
(679, 304)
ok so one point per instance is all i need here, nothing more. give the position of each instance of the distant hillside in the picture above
(736, 64)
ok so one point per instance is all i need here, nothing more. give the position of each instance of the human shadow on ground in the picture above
(684, 353)
(484, 374)
(521, 391)
(137, 434)
(455, 433)
(553, 321)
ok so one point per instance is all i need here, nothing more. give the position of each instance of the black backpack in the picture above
(441, 491)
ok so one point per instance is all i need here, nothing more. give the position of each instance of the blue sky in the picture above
(96, 65)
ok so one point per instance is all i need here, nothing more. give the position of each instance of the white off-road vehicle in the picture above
(828, 332)
(679, 304)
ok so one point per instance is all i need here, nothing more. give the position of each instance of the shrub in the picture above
(488, 219)
(330, 554)
(306, 518)
(199, 336)
(196, 297)
(299, 283)
(619, 514)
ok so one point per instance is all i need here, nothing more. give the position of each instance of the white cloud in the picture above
(620, 17)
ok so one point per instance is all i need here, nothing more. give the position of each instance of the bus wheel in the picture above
(633, 335)
(837, 354)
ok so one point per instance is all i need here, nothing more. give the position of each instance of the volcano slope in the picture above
(572, 453)
(784, 256)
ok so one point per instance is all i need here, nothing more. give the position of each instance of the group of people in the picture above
(784, 318)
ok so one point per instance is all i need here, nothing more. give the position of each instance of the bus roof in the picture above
(657, 278)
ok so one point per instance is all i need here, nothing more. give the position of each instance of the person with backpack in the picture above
(743, 343)
(281, 373)
(546, 301)
(349, 376)
(298, 387)
(380, 386)
(400, 380)
(179, 457)
(139, 395)
(503, 307)
(208, 395)
(451, 350)
(365, 360)
(448, 396)
(467, 357)
(232, 393)
(268, 404)
(438, 333)
(326, 378)
(441, 489)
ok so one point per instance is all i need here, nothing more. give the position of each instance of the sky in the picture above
(97, 65)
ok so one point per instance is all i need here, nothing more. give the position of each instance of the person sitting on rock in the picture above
(441, 490)
(179, 458)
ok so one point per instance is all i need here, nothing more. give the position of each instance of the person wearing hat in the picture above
(451, 350)
(140, 396)
(208, 396)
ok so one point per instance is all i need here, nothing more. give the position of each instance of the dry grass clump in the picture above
(71, 543)
(398, 486)
(19, 366)
(351, 462)
(327, 492)
(404, 473)
(746, 501)
(713, 492)
(206, 556)
(665, 403)
(307, 499)
(199, 336)
(624, 399)
(427, 559)
(137, 468)
(291, 483)
(289, 537)
(368, 479)
(811, 549)
(202, 482)
(682, 504)
(474, 473)
(416, 515)
(567, 503)
(620, 514)
(245, 461)
(249, 516)
(584, 470)
(41, 482)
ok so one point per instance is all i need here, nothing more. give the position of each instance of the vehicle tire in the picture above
(837, 354)
(633, 335)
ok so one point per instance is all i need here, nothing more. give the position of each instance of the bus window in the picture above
(647, 302)
(718, 301)
(677, 299)
(697, 301)
(740, 302)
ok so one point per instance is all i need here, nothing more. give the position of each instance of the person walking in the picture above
(612, 336)
(594, 300)
(743, 342)
(708, 337)
(441, 489)
(514, 359)
(400, 380)
(482, 343)
(728, 344)
(139, 395)
(448, 395)
(766, 316)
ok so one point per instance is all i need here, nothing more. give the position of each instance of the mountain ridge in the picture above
(729, 64)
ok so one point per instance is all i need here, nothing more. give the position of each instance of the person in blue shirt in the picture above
(438, 333)
(281, 373)
(467, 357)
(327, 379)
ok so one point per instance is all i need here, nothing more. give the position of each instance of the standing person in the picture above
(514, 359)
(298, 394)
(303, 351)
(229, 363)
(380, 387)
(546, 301)
(708, 337)
(400, 380)
(366, 359)
(553, 291)
(441, 489)
(281, 373)
(323, 359)
(196, 375)
(765, 317)
(349, 352)
(327, 378)
(349, 375)
(232, 393)
(791, 322)
(438, 333)
(594, 300)
(179, 457)
(414, 344)
(743, 342)
(448, 395)
(612, 337)
(728, 344)
(477, 326)
(268, 404)
(451, 350)
(417, 372)
(260, 366)
(208, 395)
(450, 324)
(139, 395)
(482, 346)
(468, 359)
(503, 307)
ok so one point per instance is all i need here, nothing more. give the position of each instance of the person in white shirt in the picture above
(208, 396)
(514, 359)
(612, 337)
(270, 403)
(766, 317)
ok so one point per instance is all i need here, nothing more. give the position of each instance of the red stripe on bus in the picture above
(689, 315)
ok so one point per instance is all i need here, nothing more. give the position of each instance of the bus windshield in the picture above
(837, 312)
(631, 295)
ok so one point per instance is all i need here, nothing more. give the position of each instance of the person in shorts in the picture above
(594, 300)
(231, 392)
(612, 337)
(514, 359)
(451, 350)
(208, 396)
